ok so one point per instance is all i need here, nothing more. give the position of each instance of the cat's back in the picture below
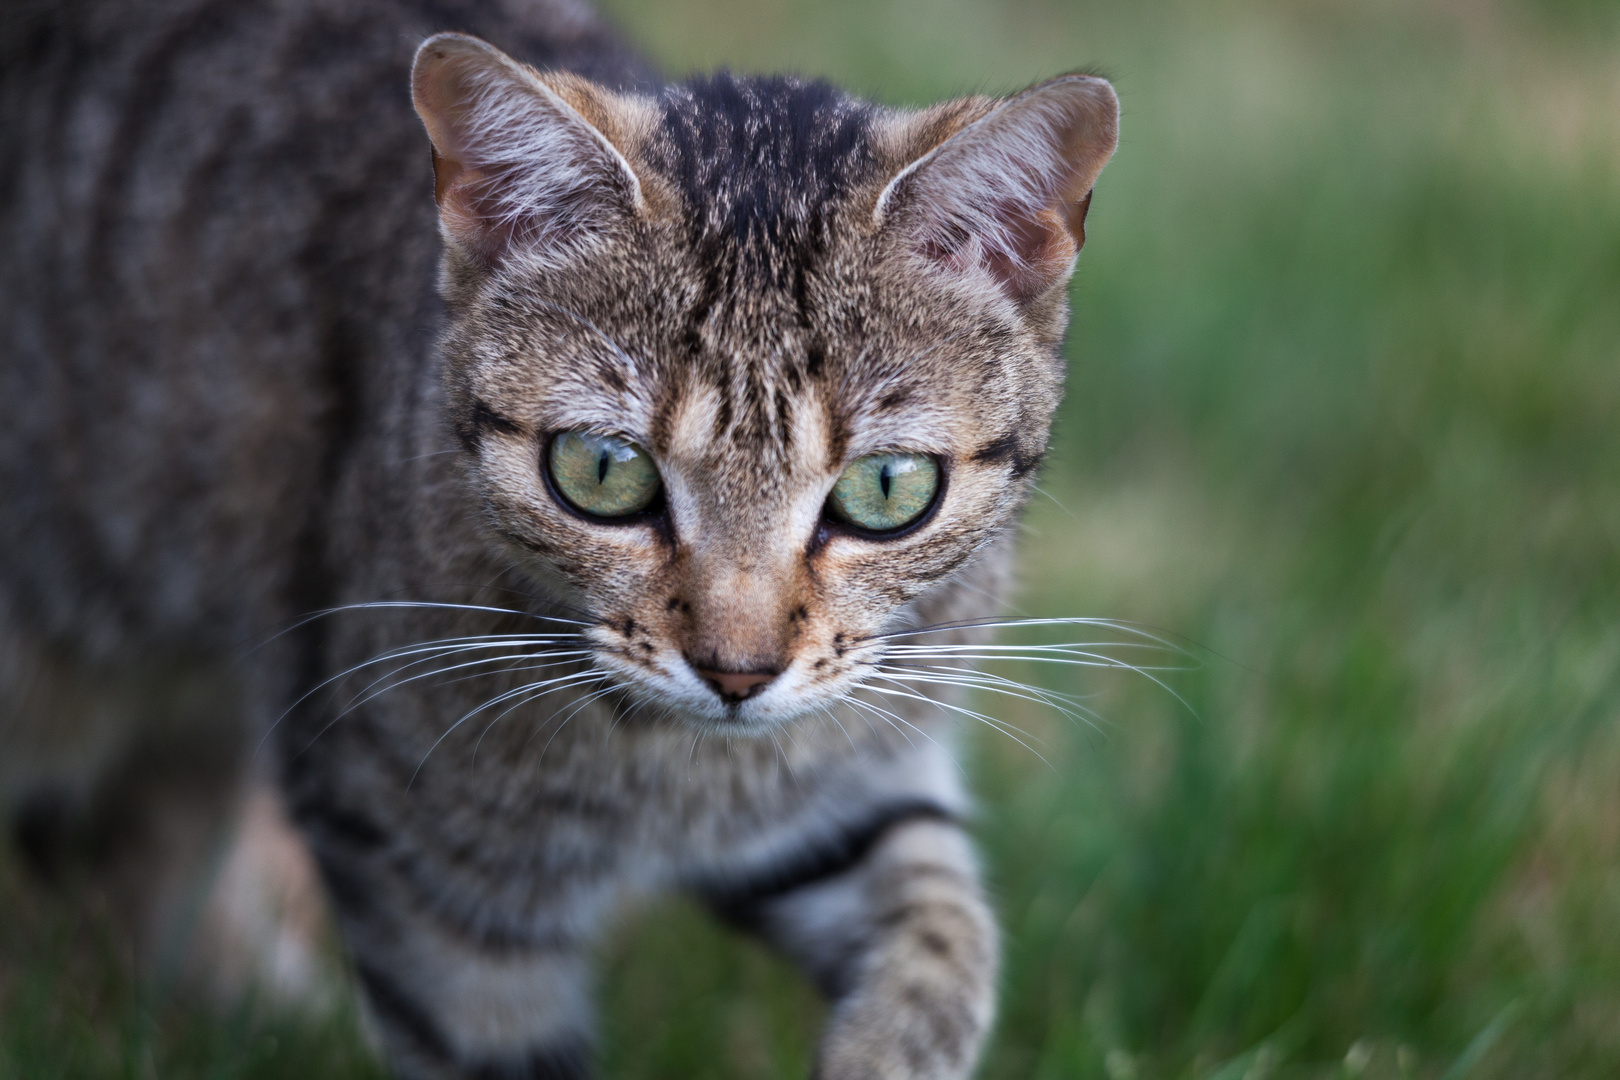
(220, 246)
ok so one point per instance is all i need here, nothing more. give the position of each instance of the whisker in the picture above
(429, 454)
(1056, 698)
(1086, 659)
(894, 717)
(1007, 730)
(1055, 501)
(1078, 647)
(491, 703)
(1092, 660)
(781, 757)
(584, 701)
(387, 604)
(428, 654)
(997, 623)
(867, 720)
(637, 709)
(514, 666)
(605, 677)
(439, 647)
(356, 704)
(833, 716)
(490, 587)
(890, 718)
(1007, 687)
(427, 604)
(518, 705)
(359, 701)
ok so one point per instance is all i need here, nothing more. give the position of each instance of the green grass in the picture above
(69, 1010)
(1342, 417)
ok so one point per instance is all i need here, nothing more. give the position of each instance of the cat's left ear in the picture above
(517, 167)
(1004, 198)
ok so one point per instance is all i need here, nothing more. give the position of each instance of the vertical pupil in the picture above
(602, 464)
(883, 480)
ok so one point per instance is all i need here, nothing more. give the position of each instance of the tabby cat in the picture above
(571, 511)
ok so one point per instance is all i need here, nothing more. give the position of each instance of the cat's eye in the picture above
(601, 475)
(884, 493)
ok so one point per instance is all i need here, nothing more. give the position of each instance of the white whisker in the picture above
(353, 705)
(384, 604)
(1071, 657)
(979, 681)
(1006, 729)
(518, 705)
(496, 700)
(579, 705)
(892, 719)
(833, 716)
(373, 694)
(1086, 657)
(441, 646)
(996, 623)
(1056, 699)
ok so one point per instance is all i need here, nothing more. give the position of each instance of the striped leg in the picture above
(898, 933)
(447, 1008)
(451, 998)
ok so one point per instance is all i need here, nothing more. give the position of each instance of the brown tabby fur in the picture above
(233, 398)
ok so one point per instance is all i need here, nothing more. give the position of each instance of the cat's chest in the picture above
(660, 810)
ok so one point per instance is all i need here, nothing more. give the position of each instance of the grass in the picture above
(1342, 416)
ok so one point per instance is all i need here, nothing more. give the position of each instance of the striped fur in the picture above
(252, 375)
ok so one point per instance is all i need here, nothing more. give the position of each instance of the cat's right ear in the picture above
(517, 169)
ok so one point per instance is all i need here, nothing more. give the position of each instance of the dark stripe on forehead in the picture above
(759, 160)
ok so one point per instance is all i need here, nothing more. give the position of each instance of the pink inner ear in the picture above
(445, 173)
(1005, 198)
(514, 165)
(1024, 251)
(1037, 250)
(474, 207)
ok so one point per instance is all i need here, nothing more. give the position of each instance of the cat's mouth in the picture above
(711, 696)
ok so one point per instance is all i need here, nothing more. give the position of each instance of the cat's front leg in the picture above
(906, 946)
(450, 1003)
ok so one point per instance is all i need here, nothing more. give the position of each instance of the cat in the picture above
(573, 504)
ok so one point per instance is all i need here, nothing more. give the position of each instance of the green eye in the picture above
(601, 475)
(885, 492)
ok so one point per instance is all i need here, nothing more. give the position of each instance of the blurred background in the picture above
(1343, 426)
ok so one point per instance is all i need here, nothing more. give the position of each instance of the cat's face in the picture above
(748, 370)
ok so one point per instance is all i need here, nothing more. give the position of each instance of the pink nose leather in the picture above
(736, 685)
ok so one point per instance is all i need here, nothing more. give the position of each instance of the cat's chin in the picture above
(735, 724)
(741, 719)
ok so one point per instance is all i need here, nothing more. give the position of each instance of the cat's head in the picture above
(749, 369)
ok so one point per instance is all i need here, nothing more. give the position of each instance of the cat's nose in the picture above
(735, 685)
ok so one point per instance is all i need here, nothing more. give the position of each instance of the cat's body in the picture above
(226, 406)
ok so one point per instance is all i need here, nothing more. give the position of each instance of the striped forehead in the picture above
(750, 424)
(758, 161)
